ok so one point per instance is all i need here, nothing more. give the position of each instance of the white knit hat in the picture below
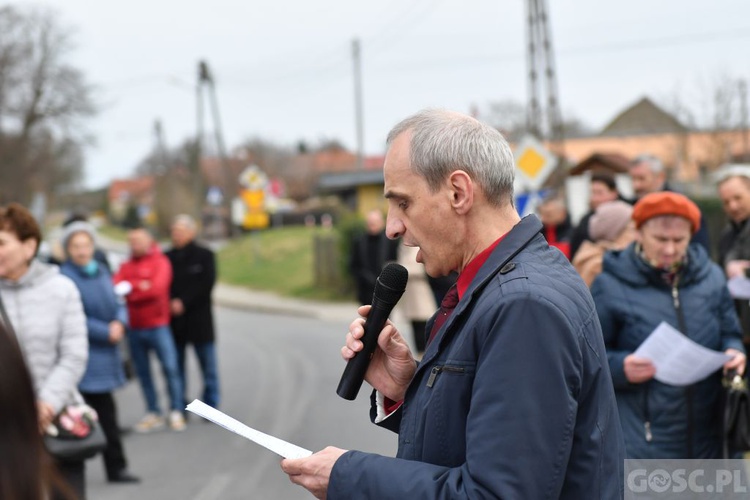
(77, 227)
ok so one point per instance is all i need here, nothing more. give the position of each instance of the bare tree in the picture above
(711, 105)
(509, 117)
(43, 100)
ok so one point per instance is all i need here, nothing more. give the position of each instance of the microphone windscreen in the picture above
(391, 283)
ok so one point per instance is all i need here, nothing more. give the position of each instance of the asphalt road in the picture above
(279, 375)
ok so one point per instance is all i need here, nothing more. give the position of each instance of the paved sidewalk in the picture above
(254, 300)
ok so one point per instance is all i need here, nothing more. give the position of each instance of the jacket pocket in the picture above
(437, 370)
(447, 392)
(448, 369)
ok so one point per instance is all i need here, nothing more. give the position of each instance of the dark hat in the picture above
(666, 203)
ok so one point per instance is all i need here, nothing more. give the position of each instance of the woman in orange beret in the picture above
(661, 277)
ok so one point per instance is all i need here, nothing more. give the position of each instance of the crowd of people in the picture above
(527, 383)
(647, 260)
(67, 320)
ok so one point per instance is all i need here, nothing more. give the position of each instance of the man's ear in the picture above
(461, 191)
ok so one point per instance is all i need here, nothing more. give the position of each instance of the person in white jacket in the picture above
(45, 312)
(418, 303)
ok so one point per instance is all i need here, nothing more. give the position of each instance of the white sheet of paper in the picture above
(739, 287)
(276, 445)
(679, 360)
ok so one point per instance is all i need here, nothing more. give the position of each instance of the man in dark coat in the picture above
(734, 245)
(513, 396)
(648, 176)
(194, 270)
(370, 252)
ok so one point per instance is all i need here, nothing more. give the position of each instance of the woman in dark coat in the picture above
(661, 277)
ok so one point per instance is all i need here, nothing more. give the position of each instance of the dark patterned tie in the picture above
(446, 309)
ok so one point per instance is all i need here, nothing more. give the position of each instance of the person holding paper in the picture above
(513, 397)
(662, 277)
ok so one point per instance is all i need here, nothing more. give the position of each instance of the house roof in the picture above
(340, 181)
(613, 162)
(121, 189)
(643, 117)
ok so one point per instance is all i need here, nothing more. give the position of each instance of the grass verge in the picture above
(278, 260)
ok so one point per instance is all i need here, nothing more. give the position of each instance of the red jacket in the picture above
(150, 275)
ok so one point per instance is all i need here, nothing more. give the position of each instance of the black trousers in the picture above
(114, 454)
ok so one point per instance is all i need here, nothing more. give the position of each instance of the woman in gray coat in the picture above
(45, 312)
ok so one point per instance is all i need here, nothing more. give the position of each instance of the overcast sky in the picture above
(284, 69)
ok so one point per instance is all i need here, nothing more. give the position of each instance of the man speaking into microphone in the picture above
(513, 396)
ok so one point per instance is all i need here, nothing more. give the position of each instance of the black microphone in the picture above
(389, 288)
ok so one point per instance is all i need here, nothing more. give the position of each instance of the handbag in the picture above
(75, 434)
(736, 414)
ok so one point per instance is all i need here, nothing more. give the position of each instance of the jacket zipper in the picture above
(437, 369)
(689, 389)
(647, 420)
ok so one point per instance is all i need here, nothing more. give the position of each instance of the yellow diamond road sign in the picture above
(533, 162)
(530, 162)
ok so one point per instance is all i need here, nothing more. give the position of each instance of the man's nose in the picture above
(394, 228)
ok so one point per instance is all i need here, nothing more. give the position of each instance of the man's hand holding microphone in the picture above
(376, 352)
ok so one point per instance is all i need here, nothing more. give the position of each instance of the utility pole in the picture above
(356, 53)
(547, 123)
(533, 110)
(197, 153)
(206, 80)
(161, 155)
(543, 117)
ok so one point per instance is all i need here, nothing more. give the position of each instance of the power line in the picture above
(338, 67)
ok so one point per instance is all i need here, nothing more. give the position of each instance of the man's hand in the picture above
(736, 363)
(176, 307)
(46, 415)
(392, 366)
(638, 370)
(313, 472)
(736, 268)
(116, 332)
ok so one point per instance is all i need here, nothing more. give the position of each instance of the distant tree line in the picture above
(43, 102)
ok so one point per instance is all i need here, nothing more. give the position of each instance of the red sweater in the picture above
(150, 275)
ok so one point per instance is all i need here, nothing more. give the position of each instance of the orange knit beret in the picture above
(666, 203)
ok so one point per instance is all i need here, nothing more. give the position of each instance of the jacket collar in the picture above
(514, 242)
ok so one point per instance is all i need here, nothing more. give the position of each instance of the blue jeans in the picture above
(142, 340)
(206, 354)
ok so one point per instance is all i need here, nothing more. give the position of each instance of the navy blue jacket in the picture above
(513, 398)
(104, 371)
(632, 299)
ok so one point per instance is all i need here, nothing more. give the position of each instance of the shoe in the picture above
(150, 422)
(123, 476)
(177, 421)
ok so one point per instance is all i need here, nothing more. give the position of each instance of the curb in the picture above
(236, 297)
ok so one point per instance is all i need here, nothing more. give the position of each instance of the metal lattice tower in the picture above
(543, 123)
